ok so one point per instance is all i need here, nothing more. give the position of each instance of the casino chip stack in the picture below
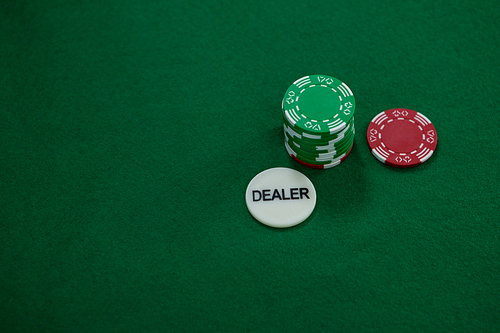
(318, 121)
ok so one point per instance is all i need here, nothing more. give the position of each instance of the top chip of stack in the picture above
(318, 121)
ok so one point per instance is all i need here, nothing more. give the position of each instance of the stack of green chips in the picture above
(318, 121)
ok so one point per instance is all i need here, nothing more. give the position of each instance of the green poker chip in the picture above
(322, 147)
(313, 138)
(318, 120)
(319, 104)
(320, 160)
(317, 156)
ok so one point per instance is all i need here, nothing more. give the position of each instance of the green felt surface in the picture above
(129, 131)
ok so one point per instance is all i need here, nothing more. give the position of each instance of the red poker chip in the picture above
(401, 138)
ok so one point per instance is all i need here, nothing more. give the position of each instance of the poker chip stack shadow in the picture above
(318, 121)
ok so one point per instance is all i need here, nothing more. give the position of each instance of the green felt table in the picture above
(129, 131)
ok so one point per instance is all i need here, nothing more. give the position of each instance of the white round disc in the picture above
(280, 197)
